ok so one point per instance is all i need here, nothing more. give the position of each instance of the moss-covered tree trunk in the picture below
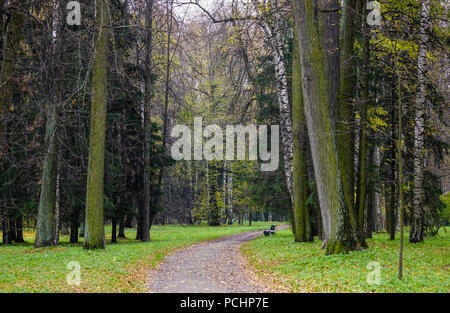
(94, 236)
(346, 95)
(300, 136)
(340, 235)
(361, 186)
(352, 20)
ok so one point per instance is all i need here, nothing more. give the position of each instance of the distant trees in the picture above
(12, 33)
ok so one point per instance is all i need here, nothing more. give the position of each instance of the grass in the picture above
(303, 267)
(121, 267)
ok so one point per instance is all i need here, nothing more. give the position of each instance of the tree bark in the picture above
(392, 207)
(361, 187)
(340, 235)
(416, 233)
(300, 135)
(94, 237)
(345, 118)
(145, 224)
(46, 222)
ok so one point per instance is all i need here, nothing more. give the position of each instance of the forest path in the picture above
(212, 267)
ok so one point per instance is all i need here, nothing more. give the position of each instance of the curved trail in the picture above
(212, 267)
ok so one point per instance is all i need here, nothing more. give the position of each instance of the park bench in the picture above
(270, 231)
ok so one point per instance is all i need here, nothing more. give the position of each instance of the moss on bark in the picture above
(340, 234)
(94, 237)
(301, 215)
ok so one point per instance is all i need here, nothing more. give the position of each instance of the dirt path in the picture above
(213, 267)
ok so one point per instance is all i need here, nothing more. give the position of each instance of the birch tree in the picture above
(417, 221)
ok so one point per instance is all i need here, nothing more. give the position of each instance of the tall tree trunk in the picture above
(400, 169)
(416, 233)
(340, 235)
(277, 42)
(94, 236)
(371, 215)
(361, 186)
(145, 223)
(392, 207)
(45, 234)
(300, 134)
(46, 222)
(57, 202)
(274, 31)
(345, 118)
(379, 196)
(230, 194)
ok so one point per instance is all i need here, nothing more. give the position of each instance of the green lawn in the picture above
(121, 267)
(303, 267)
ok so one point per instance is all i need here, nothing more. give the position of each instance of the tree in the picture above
(340, 235)
(46, 222)
(418, 215)
(301, 215)
(145, 231)
(94, 237)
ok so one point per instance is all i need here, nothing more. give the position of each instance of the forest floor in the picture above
(303, 267)
(121, 267)
(214, 267)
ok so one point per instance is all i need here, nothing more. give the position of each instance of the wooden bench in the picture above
(270, 231)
